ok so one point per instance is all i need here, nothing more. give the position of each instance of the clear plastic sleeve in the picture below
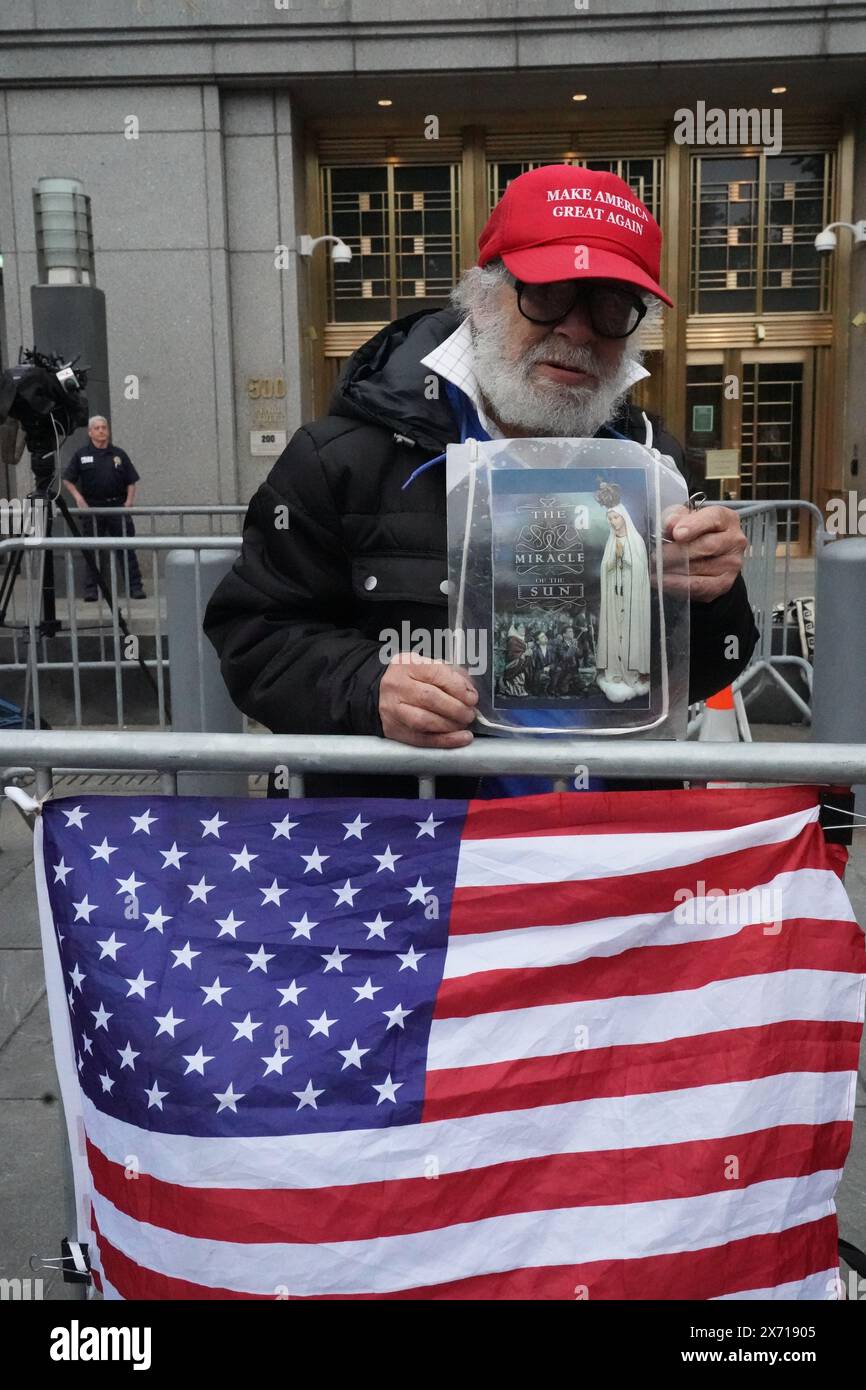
(568, 604)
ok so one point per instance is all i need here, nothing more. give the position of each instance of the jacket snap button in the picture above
(370, 582)
(445, 586)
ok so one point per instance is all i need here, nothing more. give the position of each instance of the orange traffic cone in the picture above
(719, 724)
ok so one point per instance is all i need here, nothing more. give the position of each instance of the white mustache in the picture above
(578, 359)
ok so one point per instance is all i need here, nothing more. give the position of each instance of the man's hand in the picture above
(426, 703)
(714, 544)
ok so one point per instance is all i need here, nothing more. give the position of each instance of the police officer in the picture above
(102, 475)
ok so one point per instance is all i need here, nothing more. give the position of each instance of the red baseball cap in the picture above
(561, 222)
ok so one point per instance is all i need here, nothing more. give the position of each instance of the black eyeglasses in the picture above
(614, 312)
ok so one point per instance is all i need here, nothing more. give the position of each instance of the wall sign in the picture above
(723, 463)
(264, 443)
(267, 418)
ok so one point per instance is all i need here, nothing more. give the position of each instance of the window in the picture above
(754, 223)
(402, 224)
(643, 176)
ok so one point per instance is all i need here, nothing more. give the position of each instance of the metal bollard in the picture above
(200, 702)
(839, 682)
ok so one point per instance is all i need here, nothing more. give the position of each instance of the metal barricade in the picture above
(170, 754)
(56, 644)
(770, 570)
(219, 519)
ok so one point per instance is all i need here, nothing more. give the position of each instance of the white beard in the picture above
(549, 408)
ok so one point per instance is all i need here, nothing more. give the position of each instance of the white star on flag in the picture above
(272, 894)
(171, 860)
(213, 826)
(290, 993)
(154, 1096)
(127, 1056)
(242, 859)
(156, 920)
(228, 1100)
(245, 1027)
(353, 1055)
(228, 925)
(101, 1017)
(366, 991)
(314, 860)
(128, 886)
(138, 985)
(419, 893)
(167, 1023)
(199, 891)
(322, 1025)
(104, 850)
(308, 1096)
(196, 1062)
(396, 1016)
(388, 1089)
(282, 828)
(76, 817)
(427, 827)
(258, 959)
(334, 961)
(276, 1063)
(84, 909)
(354, 827)
(410, 958)
(377, 927)
(213, 994)
(110, 947)
(184, 956)
(346, 894)
(387, 860)
(143, 822)
(303, 927)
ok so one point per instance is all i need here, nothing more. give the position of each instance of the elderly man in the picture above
(102, 475)
(540, 342)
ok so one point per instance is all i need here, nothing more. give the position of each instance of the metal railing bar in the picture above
(41, 543)
(160, 661)
(73, 635)
(814, 763)
(115, 638)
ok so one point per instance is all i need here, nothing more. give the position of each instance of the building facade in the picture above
(208, 143)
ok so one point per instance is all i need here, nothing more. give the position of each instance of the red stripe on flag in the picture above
(495, 907)
(369, 1211)
(801, 944)
(753, 1263)
(623, 813)
(708, 1059)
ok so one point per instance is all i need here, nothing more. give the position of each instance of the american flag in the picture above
(449, 1050)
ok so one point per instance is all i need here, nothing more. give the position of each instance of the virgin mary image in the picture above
(623, 648)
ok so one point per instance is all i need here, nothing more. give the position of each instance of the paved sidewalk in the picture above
(32, 1137)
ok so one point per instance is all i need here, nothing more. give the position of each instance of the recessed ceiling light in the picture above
(777, 91)
(579, 96)
(384, 101)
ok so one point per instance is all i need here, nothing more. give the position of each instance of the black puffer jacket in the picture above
(297, 621)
